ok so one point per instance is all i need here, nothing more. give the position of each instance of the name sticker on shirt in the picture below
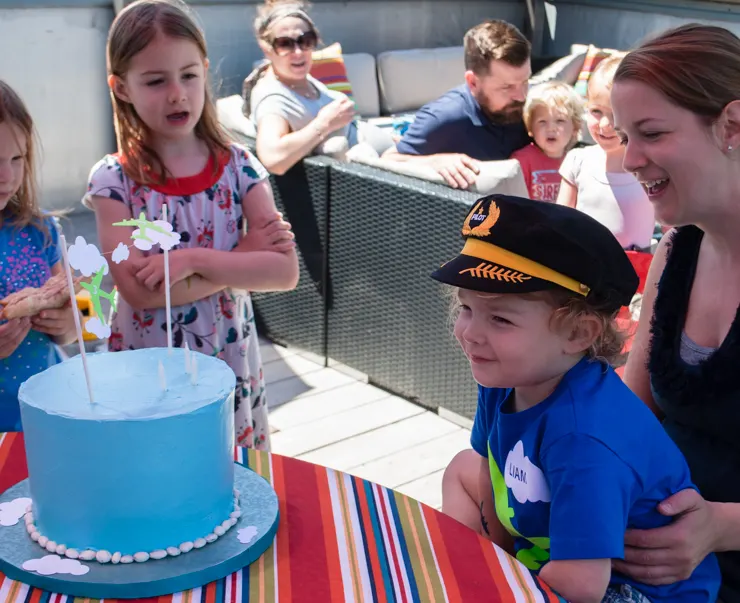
(524, 478)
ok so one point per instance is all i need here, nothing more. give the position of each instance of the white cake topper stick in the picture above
(168, 309)
(78, 327)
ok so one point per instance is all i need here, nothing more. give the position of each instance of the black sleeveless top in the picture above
(701, 403)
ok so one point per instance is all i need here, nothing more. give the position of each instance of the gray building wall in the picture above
(54, 56)
(622, 24)
(55, 59)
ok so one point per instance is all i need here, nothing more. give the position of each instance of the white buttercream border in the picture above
(141, 557)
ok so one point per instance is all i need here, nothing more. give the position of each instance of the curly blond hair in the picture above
(568, 309)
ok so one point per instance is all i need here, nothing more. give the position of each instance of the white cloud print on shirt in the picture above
(523, 478)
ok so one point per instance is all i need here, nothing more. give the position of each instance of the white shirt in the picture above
(616, 199)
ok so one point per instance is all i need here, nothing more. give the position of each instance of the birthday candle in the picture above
(194, 373)
(162, 378)
(187, 357)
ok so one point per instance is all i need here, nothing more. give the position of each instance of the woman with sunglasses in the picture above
(294, 113)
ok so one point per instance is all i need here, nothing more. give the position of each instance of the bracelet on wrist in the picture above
(318, 129)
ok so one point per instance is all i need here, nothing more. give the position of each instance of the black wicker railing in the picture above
(367, 241)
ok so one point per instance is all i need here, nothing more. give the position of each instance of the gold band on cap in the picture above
(493, 253)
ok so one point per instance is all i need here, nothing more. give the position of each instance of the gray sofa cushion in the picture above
(409, 79)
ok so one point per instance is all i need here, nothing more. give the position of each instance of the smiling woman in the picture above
(676, 105)
(293, 112)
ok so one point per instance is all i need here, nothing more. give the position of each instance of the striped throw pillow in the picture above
(328, 67)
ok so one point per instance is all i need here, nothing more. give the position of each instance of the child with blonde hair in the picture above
(565, 458)
(172, 152)
(553, 114)
(29, 248)
(594, 179)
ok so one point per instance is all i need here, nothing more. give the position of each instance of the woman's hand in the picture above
(335, 115)
(58, 323)
(12, 333)
(671, 553)
(149, 271)
(275, 234)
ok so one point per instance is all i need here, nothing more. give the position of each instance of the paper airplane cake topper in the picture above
(148, 233)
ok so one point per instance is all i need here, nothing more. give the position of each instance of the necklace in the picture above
(310, 93)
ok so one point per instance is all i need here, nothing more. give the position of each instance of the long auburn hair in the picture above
(134, 29)
(23, 208)
(695, 66)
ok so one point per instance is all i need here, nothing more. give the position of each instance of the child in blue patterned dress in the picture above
(29, 256)
(171, 151)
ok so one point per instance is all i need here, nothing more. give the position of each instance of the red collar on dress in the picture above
(192, 185)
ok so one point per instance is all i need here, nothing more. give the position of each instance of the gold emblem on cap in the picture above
(486, 221)
(494, 272)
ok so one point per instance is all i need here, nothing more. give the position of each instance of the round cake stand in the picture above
(259, 519)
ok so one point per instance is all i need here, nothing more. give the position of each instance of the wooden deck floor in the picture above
(327, 416)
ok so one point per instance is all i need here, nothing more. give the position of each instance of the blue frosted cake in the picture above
(142, 473)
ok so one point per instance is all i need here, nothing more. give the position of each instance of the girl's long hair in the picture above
(23, 208)
(134, 29)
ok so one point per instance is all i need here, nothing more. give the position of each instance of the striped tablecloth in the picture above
(340, 539)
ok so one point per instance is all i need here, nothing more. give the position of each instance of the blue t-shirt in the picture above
(455, 123)
(572, 473)
(26, 258)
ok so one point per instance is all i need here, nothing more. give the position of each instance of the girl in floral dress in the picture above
(171, 152)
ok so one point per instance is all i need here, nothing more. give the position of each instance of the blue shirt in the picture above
(455, 123)
(26, 258)
(572, 473)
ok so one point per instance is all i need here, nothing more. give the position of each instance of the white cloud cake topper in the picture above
(120, 253)
(246, 535)
(11, 512)
(54, 564)
(86, 258)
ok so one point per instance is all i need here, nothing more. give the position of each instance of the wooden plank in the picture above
(427, 489)
(299, 440)
(271, 351)
(311, 384)
(415, 462)
(287, 368)
(381, 442)
(331, 402)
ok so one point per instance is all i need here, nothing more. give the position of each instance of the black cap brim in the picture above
(469, 272)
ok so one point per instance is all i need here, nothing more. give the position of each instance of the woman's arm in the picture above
(568, 194)
(671, 553)
(578, 580)
(279, 149)
(636, 374)
(189, 290)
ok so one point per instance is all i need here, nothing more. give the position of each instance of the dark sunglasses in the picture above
(285, 45)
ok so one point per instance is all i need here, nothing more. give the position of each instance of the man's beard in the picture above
(511, 114)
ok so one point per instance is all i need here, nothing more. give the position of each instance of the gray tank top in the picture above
(693, 353)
